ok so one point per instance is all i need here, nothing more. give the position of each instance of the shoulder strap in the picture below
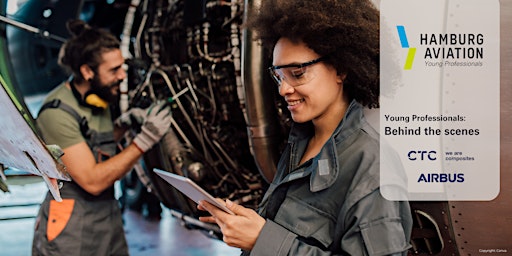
(82, 122)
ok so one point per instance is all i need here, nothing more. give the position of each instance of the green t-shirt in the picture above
(60, 128)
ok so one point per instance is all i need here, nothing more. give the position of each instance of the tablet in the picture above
(190, 189)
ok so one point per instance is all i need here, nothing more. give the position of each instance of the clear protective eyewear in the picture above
(293, 74)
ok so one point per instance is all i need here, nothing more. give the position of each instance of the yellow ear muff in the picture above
(96, 101)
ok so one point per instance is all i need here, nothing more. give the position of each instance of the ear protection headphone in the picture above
(90, 99)
(94, 100)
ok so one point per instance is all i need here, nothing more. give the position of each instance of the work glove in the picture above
(156, 124)
(134, 116)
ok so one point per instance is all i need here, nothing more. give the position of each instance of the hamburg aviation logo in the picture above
(405, 44)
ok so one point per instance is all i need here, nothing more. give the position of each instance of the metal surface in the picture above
(432, 232)
(22, 148)
(481, 227)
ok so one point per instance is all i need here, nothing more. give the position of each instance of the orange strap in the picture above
(60, 213)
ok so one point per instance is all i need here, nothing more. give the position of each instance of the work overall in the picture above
(82, 224)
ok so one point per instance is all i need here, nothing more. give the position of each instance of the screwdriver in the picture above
(171, 99)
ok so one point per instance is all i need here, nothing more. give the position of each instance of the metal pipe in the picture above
(261, 116)
(29, 28)
(125, 49)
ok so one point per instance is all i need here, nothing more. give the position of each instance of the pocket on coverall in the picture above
(384, 236)
(58, 217)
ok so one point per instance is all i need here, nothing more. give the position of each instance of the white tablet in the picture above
(190, 188)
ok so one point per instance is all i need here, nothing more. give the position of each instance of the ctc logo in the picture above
(414, 155)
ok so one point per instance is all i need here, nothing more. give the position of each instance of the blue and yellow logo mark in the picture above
(405, 44)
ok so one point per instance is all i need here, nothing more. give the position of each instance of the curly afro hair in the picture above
(345, 31)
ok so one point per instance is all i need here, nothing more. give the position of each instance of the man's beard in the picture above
(104, 91)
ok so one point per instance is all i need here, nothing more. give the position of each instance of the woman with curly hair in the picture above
(325, 197)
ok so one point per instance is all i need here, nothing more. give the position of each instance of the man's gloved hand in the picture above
(157, 123)
(131, 117)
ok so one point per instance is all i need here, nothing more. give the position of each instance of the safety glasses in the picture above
(293, 74)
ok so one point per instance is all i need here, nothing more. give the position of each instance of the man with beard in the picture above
(76, 116)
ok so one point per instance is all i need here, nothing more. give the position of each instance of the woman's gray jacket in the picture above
(333, 205)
